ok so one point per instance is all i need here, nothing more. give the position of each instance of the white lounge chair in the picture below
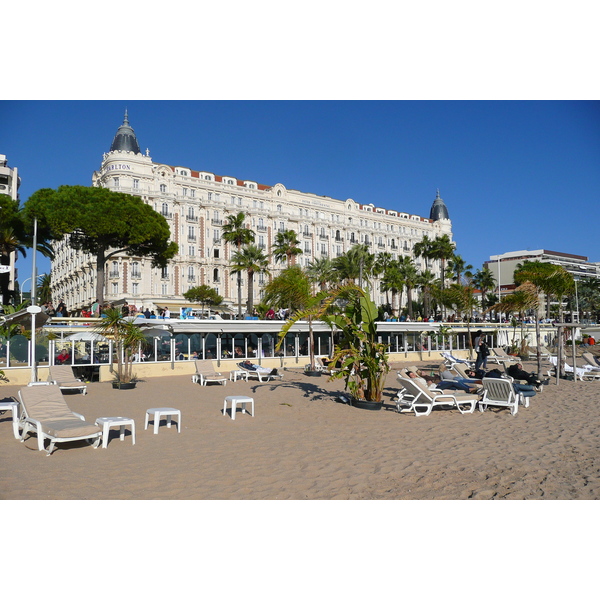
(500, 392)
(45, 412)
(501, 357)
(422, 401)
(261, 373)
(205, 373)
(451, 359)
(590, 362)
(581, 373)
(62, 376)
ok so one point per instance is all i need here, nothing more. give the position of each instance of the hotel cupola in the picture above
(438, 210)
(125, 140)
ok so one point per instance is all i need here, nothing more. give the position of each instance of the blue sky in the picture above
(514, 174)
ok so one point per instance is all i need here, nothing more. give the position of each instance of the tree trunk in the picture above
(100, 275)
(250, 304)
(239, 286)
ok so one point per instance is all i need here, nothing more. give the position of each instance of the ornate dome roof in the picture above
(125, 140)
(438, 209)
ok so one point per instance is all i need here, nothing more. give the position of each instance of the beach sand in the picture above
(302, 444)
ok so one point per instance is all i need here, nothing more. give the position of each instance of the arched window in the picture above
(215, 275)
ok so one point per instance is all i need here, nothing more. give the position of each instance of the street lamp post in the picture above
(21, 288)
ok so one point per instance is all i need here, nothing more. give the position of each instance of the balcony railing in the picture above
(191, 219)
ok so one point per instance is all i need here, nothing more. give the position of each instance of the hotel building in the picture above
(9, 185)
(196, 204)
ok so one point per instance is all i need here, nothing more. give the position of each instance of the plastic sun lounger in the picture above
(582, 373)
(500, 392)
(450, 359)
(62, 376)
(205, 373)
(45, 412)
(422, 401)
(261, 375)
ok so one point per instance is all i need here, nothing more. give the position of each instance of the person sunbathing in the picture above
(246, 365)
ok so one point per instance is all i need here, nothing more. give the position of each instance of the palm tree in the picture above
(427, 283)
(286, 246)
(392, 282)
(484, 281)
(252, 260)
(127, 338)
(322, 272)
(236, 232)
(383, 261)
(546, 278)
(424, 249)
(44, 288)
(458, 265)
(363, 261)
(410, 278)
(442, 249)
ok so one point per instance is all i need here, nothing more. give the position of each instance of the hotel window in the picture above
(164, 272)
(115, 288)
(254, 203)
(215, 275)
(191, 212)
(191, 233)
(191, 274)
(307, 247)
(261, 222)
(232, 199)
(239, 201)
(279, 208)
(163, 188)
(135, 269)
(116, 181)
(216, 253)
(136, 184)
(281, 226)
(209, 196)
(191, 251)
(185, 191)
(165, 209)
(135, 288)
(164, 289)
(192, 193)
(306, 229)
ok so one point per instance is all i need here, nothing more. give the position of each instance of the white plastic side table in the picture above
(107, 422)
(14, 407)
(235, 400)
(157, 413)
(235, 375)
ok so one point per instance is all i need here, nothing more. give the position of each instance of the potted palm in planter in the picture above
(363, 361)
(127, 339)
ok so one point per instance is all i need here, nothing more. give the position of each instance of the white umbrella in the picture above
(86, 336)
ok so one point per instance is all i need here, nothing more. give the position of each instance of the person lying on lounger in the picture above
(250, 366)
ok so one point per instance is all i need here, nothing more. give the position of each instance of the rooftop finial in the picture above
(126, 119)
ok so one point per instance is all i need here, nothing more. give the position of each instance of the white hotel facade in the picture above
(196, 204)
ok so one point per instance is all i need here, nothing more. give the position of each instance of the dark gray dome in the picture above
(438, 209)
(125, 140)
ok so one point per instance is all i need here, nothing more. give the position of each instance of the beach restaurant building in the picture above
(196, 204)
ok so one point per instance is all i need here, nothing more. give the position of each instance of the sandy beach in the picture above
(302, 444)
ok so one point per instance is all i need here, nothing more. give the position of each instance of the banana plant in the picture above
(360, 359)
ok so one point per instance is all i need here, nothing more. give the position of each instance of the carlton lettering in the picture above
(118, 168)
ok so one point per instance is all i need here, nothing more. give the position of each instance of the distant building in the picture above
(507, 263)
(196, 203)
(9, 185)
